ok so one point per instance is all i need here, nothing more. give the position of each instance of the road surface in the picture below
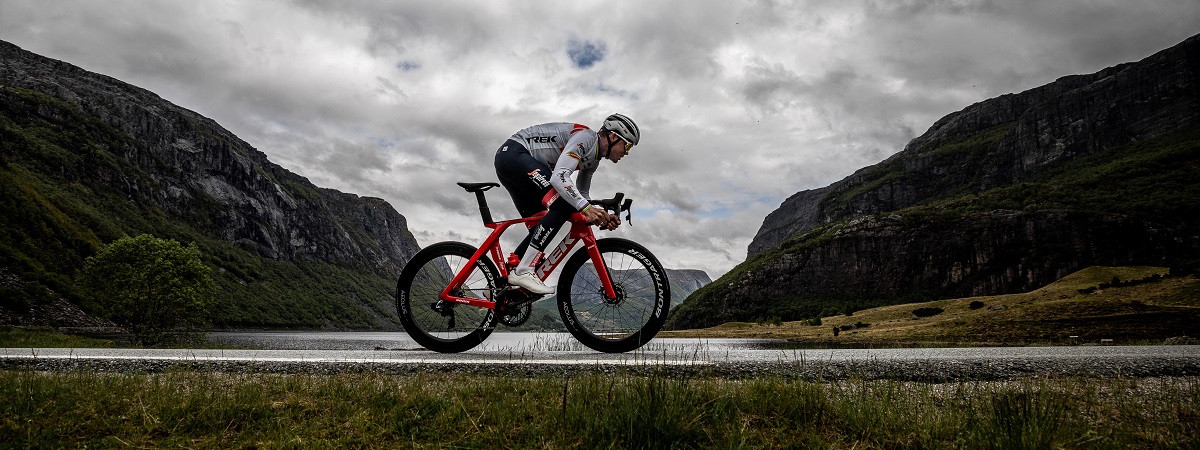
(733, 358)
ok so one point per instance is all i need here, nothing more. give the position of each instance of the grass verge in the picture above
(46, 337)
(218, 410)
(49, 337)
(1120, 305)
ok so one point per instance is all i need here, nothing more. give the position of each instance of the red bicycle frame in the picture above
(581, 230)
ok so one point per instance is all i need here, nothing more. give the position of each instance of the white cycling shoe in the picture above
(530, 282)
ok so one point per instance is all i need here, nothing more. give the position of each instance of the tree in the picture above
(150, 285)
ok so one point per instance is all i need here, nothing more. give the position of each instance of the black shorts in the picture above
(528, 183)
(526, 179)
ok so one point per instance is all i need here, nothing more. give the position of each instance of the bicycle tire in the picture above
(614, 325)
(441, 326)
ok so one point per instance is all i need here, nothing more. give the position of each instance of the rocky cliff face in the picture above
(85, 158)
(1009, 140)
(1005, 196)
(200, 172)
(1001, 251)
(881, 260)
(684, 282)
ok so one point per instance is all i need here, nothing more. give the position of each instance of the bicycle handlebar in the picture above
(616, 207)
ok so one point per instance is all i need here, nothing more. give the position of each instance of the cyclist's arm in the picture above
(575, 151)
(597, 216)
(584, 182)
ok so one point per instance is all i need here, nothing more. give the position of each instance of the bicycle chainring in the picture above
(518, 316)
(515, 307)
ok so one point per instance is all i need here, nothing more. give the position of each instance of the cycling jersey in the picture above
(566, 147)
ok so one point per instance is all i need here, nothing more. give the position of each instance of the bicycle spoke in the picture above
(630, 319)
(447, 320)
(629, 313)
(436, 323)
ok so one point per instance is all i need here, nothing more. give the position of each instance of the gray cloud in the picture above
(741, 103)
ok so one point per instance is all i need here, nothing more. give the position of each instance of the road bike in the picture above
(613, 295)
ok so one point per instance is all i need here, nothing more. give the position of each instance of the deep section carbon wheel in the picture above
(627, 321)
(438, 325)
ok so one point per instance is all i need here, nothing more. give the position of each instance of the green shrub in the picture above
(150, 285)
(14, 300)
(927, 312)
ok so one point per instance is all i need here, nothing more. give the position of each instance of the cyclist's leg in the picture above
(540, 235)
(526, 179)
(539, 239)
(528, 183)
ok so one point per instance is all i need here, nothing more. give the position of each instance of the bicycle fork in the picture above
(589, 244)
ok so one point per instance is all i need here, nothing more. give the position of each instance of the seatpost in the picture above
(483, 208)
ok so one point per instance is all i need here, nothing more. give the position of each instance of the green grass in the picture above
(45, 337)
(216, 410)
(1143, 308)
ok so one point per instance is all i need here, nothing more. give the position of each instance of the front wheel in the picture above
(618, 324)
(436, 324)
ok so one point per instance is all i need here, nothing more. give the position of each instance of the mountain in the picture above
(684, 282)
(1004, 196)
(85, 159)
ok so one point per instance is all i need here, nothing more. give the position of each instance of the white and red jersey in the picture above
(566, 147)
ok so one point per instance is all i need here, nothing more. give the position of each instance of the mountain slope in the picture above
(1004, 196)
(1009, 139)
(1084, 307)
(85, 158)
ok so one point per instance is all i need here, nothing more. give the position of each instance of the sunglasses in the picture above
(628, 145)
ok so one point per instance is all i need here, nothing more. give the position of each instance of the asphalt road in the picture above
(556, 355)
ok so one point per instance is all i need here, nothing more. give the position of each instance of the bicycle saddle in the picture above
(478, 187)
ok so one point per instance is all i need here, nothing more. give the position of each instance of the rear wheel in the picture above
(616, 324)
(436, 324)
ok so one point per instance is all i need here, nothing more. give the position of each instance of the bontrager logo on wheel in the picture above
(660, 303)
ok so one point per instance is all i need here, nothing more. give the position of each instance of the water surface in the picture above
(497, 342)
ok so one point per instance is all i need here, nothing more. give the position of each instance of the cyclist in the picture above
(524, 165)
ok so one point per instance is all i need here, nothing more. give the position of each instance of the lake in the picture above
(498, 341)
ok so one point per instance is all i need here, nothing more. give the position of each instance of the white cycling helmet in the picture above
(624, 127)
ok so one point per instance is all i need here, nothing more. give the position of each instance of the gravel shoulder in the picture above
(925, 365)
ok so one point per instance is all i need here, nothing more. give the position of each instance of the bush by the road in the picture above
(150, 285)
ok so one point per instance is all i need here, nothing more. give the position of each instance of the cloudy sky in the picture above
(741, 103)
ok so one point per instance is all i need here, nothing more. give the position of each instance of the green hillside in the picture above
(1153, 180)
(1085, 307)
(56, 214)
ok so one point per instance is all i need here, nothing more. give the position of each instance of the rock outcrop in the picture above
(200, 171)
(684, 282)
(31, 304)
(995, 198)
(1009, 140)
(91, 158)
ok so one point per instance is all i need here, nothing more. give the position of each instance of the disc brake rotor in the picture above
(619, 290)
